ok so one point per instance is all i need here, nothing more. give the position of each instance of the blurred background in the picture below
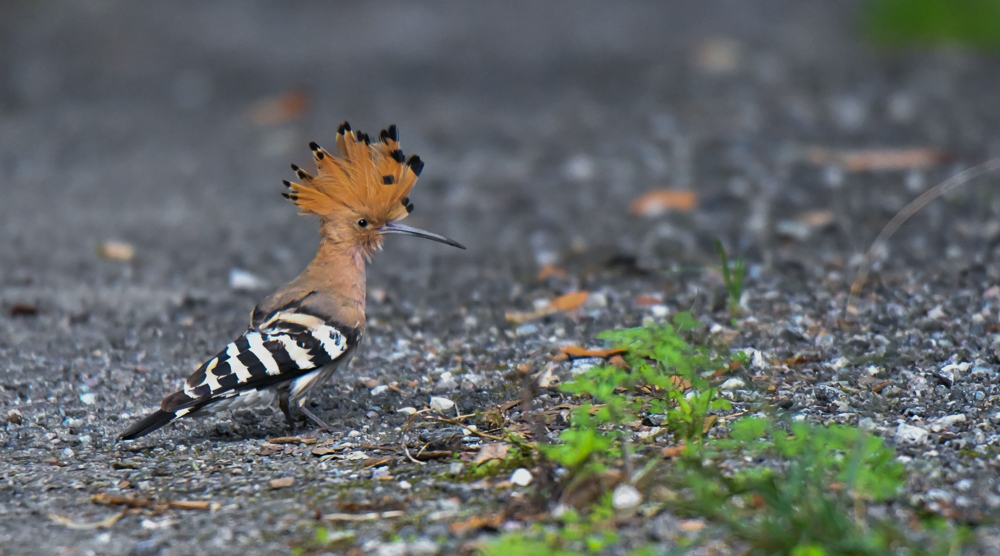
(168, 126)
(575, 146)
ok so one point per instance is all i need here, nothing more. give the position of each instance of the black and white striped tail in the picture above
(288, 351)
(150, 423)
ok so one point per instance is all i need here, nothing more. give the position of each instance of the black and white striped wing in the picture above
(286, 347)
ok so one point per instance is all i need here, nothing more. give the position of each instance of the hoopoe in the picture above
(303, 333)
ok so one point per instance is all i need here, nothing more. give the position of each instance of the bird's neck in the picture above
(341, 272)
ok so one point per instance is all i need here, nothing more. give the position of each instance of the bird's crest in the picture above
(375, 177)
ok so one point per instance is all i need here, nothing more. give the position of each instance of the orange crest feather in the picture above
(371, 179)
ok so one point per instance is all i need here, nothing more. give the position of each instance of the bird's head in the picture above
(361, 195)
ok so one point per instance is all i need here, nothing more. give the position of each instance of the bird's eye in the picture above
(363, 223)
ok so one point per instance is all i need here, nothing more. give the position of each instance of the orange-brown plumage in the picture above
(373, 177)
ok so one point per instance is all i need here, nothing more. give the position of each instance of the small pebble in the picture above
(909, 433)
(381, 389)
(455, 468)
(521, 477)
(405, 485)
(945, 423)
(625, 497)
(15, 417)
(441, 404)
(526, 330)
(116, 251)
(733, 384)
(89, 398)
(243, 280)
(406, 410)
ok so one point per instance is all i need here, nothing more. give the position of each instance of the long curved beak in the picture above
(393, 228)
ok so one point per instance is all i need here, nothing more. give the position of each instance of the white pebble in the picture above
(405, 485)
(521, 477)
(89, 398)
(380, 389)
(243, 280)
(441, 404)
(946, 422)
(406, 410)
(525, 330)
(68, 452)
(910, 433)
(625, 497)
(733, 384)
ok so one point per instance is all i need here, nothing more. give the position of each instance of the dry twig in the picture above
(909, 210)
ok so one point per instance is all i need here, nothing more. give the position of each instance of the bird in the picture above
(305, 332)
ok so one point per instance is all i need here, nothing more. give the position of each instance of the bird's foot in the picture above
(323, 427)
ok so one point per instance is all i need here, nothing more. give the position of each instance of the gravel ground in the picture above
(169, 126)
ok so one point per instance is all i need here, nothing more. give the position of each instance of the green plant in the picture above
(803, 491)
(929, 22)
(733, 278)
(666, 376)
(323, 540)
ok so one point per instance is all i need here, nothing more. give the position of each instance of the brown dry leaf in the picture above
(867, 160)
(495, 450)
(801, 360)
(657, 202)
(709, 423)
(618, 362)
(648, 301)
(279, 109)
(682, 383)
(577, 352)
(817, 218)
(199, 505)
(116, 251)
(550, 271)
(691, 525)
(476, 523)
(105, 500)
(565, 303)
(291, 440)
(877, 389)
(23, 310)
(673, 451)
(283, 482)
(569, 302)
(324, 450)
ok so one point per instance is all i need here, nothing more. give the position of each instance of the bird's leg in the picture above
(323, 427)
(283, 405)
